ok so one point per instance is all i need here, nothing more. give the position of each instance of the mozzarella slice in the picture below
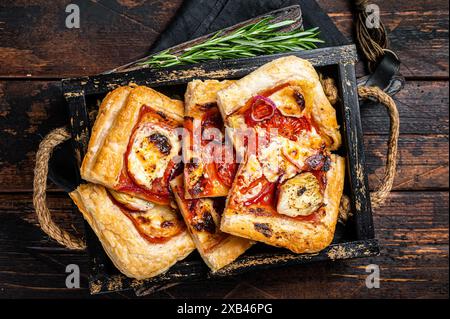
(300, 196)
(151, 150)
(131, 202)
(160, 221)
(289, 101)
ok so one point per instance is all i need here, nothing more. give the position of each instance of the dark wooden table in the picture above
(37, 50)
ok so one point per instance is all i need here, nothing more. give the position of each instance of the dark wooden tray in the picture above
(355, 239)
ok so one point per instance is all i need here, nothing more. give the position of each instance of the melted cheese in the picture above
(252, 171)
(151, 151)
(160, 221)
(300, 196)
(194, 174)
(205, 206)
(285, 101)
(131, 202)
(310, 139)
(270, 159)
(296, 153)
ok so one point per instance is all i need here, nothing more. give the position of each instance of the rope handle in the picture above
(379, 196)
(46, 147)
(59, 135)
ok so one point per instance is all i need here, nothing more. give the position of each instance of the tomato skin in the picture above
(226, 170)
(289, 127)
(226, 173)
(265, 197)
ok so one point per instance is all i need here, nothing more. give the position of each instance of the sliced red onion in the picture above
(266, 101)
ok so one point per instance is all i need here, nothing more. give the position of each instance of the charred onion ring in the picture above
(264, 105)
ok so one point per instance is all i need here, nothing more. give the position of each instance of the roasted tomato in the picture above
(226, 167)
(289, 127)
(266, 194)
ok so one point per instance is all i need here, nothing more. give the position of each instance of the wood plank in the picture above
(422, 161)
(31, 264)
(422, 106)
(412, 228)
(110, 34)
(417, 30)
(114, 33)
(413, 232)
(30, 109)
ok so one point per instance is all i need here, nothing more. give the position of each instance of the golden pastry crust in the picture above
(217, 249)
(133, 255)
(200, 104)
(226, 252)
(118, 115)
(297, 235)
(290, 69)
(200, 93)
(107, 113)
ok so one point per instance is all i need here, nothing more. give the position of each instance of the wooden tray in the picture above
(355, 239)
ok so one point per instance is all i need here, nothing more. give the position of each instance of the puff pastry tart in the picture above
(288, 188)
(142, 239)
(209, 161)
(202, 217)
(134, 146)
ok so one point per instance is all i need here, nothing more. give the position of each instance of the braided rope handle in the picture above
(46, 147)
(59, 135)
(374, 93)
(364, 92)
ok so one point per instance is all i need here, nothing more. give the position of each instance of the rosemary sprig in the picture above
(260, 38)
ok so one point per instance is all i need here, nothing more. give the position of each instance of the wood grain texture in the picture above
(36, 42)
(417, 30)
(422, 161)
(412, 226)
(422, 106)
(28, 111)
(412, 229)
(113, 33)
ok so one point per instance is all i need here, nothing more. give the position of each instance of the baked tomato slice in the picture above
(265, 196)
(226, 167)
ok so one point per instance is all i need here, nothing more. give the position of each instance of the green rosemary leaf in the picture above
(280, 24)
(262, 37)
